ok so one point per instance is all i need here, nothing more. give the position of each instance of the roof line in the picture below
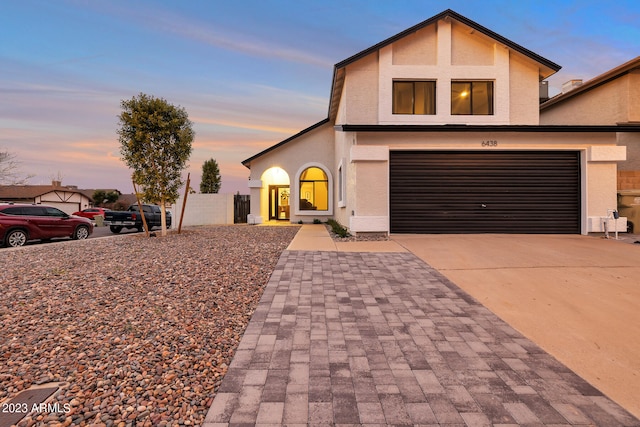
(447, 13)
(595, 82)
(281, 143)
(491, 128)
(464, 20)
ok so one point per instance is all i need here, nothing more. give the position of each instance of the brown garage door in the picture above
(485, 192)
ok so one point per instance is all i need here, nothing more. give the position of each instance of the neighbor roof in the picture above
(31, 191)
(597, 81)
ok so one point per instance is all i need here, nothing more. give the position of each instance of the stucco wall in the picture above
(342, 209)
(419, 48)
(470, 48)
(524, 93)
(441, 52)
(634, 96)
(602, 196)
(361, 91)
(315, 147)
(204, 209)
(598, 172)
(604, 105)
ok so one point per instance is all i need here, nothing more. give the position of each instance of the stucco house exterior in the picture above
(437, 130)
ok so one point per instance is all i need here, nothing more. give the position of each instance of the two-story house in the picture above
(437, 130)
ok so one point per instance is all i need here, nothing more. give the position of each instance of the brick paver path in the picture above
(384, 339)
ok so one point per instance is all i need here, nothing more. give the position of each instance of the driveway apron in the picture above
(575, 296)
(373, 338)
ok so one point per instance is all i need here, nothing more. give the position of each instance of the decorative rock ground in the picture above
(140, 330)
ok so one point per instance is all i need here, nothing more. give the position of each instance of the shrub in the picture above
(337, 228)
(317, 221)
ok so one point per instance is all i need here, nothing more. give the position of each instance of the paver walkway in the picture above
(353, 338)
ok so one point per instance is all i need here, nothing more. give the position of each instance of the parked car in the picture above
(20, 223)
(131, 218)
(91, 213)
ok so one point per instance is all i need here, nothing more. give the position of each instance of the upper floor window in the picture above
(414, 97)
(472, 98)
(314, 190)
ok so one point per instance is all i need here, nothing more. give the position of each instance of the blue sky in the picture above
(249, 73)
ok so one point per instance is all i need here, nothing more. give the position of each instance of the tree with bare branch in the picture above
(10, 173)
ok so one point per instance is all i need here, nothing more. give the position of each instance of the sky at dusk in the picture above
(249, 73)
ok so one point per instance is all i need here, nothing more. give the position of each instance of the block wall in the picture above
(204, 209)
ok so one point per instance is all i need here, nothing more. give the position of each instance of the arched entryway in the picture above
(277, 197)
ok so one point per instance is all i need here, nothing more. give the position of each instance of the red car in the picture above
(21, 223)
(91, 212)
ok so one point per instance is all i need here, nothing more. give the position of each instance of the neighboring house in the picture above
(437, 130)
(66, 198)
(612, 98)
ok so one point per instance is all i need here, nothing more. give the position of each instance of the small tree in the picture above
(210, 177)
(155, 139)
(10, 170)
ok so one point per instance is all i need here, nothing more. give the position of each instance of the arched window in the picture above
(314, 190)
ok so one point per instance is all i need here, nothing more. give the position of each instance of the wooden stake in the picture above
(144, 220)
(184, 202)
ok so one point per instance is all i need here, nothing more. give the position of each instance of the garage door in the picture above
(484, 192)
(69, 207)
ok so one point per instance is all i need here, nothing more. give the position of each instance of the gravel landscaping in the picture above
(139, 330)
(360, 237)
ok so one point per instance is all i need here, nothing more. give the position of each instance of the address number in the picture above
(490, 143)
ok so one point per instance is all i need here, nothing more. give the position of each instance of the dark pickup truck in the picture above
(131, 218)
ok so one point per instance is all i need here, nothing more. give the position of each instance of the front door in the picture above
(279, 202)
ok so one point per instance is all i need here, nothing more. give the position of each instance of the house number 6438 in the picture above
(490, 143)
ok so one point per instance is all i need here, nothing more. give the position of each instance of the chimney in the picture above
(56, 183)
(544, 91)
(571, 85)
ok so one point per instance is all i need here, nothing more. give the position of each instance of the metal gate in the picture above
(485, 192)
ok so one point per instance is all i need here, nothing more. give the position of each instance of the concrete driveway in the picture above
(578, 297)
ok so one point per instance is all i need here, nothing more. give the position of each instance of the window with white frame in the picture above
(341, 185)
(414, 97)
(472, 98)
(314, 190)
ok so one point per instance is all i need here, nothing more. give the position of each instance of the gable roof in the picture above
(339, 68)
(247, 162)
(28, 192)
(597, 81)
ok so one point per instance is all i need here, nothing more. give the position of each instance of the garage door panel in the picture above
(479, 192)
